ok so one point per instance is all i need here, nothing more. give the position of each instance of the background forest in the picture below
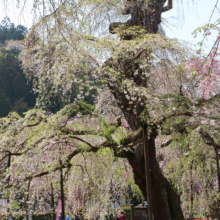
(15, 92)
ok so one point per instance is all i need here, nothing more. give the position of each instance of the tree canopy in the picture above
(153, 97)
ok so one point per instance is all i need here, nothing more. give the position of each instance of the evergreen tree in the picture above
(15, 94)
(8, 31)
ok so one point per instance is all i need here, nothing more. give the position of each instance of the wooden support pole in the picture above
(132, 212)
(61, 190)
(52, 202)
(27, 199)
(217, 164)
(148, 180)
(191, 189)
(218, 174)
(8, 200)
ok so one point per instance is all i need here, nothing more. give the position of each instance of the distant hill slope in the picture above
(15, 93)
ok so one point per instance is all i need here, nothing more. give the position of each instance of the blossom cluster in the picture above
(204, 71)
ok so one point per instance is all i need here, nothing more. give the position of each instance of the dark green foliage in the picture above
(57, 101)
(8, 31)
(15, 94)
(47, 216)
(127, 211)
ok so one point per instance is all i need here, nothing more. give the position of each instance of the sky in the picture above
(194, 16)
(17, 16)
(190, 16)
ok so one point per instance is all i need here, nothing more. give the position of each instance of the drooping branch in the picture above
(167, 143)
(114, 26)
(208, 139)
(180, 113)
(9, 154)
(99, 132)
(65, 164)
(133, 137)
(27, 198)
(131, 59)
(78, 132)
(36, 143)
(80, 139)
(28, 126)
(169, 6)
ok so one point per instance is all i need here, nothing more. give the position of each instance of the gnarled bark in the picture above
(165, 201)
(146, 14)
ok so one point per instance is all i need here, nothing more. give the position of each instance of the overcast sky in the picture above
(194, 17)
(17, 16)
(191, 17)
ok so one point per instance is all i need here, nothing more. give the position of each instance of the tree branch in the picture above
(166, 143)
(169, 6)
(131, 59)
(72, 132)
(181, 113)
(28, 126)
(208, 139)
(131, 138)
(74, 137)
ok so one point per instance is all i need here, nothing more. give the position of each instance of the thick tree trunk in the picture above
(166, 202)
(146, 14)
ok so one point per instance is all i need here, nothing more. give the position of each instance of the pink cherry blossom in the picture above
(212, 122)
(204, 122)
